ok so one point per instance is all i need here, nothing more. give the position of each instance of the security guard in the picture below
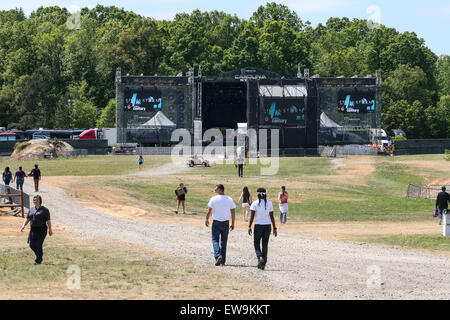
(39, 216)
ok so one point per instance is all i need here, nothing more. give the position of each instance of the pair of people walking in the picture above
(222, 208)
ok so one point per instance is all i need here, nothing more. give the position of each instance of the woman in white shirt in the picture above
(262, 213)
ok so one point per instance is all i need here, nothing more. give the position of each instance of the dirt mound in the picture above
(40, 148)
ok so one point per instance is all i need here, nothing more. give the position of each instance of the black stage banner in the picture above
(283, 111)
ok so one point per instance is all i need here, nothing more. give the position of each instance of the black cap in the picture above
(444, 188)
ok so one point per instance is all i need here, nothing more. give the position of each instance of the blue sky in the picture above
(430, 19)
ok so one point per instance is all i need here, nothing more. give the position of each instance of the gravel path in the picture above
(300, 266)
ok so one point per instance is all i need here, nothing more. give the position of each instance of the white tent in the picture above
(158, 121)
(326, 122)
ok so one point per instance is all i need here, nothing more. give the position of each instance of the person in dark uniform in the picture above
(39, 217)
(36, 173)
(442, 200)
(181, 197)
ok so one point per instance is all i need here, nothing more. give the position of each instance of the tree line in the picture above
(57, 70)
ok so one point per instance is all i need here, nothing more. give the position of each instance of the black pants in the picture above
(36, 240)
(241, 170)
(261, 234)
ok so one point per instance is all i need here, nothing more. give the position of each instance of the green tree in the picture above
(443, 74)
(407, 83)
(139, 49)
(438, 118)
(277, 12)
(108, 116)
(281, 49)
(84, 114)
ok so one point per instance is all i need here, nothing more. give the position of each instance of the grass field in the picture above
(433, 242)
(86, 166)
(313, 196)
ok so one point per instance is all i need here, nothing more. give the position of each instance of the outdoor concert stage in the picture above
(307, 111)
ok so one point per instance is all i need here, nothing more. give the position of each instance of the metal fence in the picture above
(80, 153)
(419, 191)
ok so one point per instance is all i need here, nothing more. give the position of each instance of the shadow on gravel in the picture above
(255, 267)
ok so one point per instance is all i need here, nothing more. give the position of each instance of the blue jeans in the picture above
(220, 232)
(283, 217)
(261, 234)
(441, 212)
(19, 183)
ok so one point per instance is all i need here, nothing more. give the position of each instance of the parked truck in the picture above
(109, 134)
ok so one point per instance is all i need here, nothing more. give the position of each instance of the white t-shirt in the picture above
(262, 210)
(221, 206)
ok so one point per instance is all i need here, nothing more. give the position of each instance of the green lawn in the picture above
(384, 199)
(434, 242)
(286, 167)
(87, 166)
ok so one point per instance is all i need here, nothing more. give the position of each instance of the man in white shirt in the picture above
(262, 213)
(222, 208)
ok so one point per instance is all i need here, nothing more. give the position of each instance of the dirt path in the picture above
(300, 266)
(170, 168)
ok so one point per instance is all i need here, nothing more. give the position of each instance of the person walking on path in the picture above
(7, 176)
(240, 162)
(19, 177)
(442, 200)
(262, 213)
(141, 162)
(36, 173)
(222, 208)
(39, 217)
(246, 202)
(283, 197)
(181, 197)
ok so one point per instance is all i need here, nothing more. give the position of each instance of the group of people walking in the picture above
(19, 177)
(222, 208)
